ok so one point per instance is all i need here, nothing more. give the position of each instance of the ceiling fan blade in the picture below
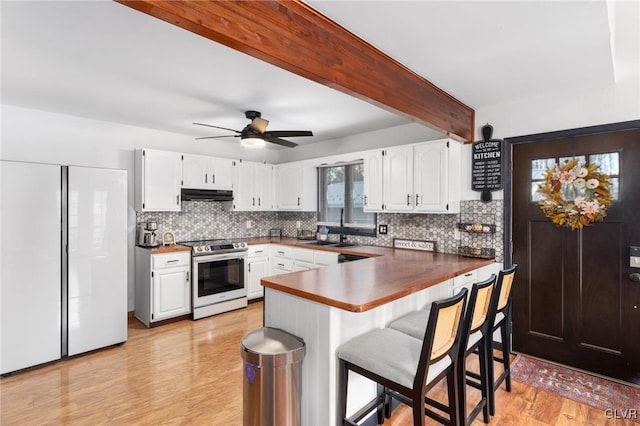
(259, 124)
(215, 137)
(287, 133)
(217, 127)
(282, 142)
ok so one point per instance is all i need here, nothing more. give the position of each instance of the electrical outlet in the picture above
(298, 224)
(382, 229)
(249, 224)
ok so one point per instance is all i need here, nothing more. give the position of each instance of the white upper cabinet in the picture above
(421, 178)
(264, 182)
(436, 177)
(296, 188)
(373, 181)
(398, 179)
(252, 186)
(158, 176)
(202, 172)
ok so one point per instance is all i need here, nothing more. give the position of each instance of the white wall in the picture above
(399, 135)
(572, 109)
(44, 137)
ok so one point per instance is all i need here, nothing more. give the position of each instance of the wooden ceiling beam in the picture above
(297, 38)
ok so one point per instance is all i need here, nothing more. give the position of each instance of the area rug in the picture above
(616, 398)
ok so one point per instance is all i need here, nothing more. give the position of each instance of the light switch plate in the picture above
(634, 262)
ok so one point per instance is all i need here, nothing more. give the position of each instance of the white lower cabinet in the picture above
(163, 285)
(477, 275)
(325, 258)
(257, 267)
(286, 259)
(281, 259)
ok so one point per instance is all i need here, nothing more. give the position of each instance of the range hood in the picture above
(206, 195)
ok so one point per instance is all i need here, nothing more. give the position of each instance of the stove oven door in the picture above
(218, 278)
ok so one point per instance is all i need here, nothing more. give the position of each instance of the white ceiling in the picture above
(105, 61)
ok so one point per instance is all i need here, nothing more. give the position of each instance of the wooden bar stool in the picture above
(502, 322)
(475, 337)
(406, 368)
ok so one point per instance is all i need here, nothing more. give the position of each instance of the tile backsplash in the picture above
(202, 219)
(205, 219)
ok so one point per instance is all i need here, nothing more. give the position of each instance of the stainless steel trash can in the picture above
(272, 380)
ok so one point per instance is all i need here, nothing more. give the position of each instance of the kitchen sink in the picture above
(345, 245)
(318, 243)
(328, 244)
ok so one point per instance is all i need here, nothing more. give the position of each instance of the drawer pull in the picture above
(173, 261)
(281, 264)
(259, 251)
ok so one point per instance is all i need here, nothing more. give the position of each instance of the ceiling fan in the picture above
(256, 132)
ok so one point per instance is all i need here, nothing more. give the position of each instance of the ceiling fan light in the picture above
(260, 124)
(252, 142)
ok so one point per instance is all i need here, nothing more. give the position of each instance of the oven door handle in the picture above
(218, 257)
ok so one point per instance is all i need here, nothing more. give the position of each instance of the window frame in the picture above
(349, 228)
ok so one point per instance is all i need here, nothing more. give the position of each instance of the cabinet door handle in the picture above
(253, 201)
(178, 199)
(249, 267)
(365, 200)
(408, 199)
(298, 200)
(187, 276)
(258, 201)
(213, 178)
(205, 178)
(417, 199)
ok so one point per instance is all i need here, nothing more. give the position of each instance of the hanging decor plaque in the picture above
(486, 164)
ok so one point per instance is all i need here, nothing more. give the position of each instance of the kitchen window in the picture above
(341, 193)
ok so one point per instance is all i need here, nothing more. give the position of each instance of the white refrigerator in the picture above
(63, 249)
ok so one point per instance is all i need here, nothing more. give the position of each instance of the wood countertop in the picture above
(359, 286)
(166, 249)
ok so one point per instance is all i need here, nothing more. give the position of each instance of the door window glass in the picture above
(608, 162)
(538, 168)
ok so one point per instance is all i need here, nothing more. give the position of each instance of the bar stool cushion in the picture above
(414, 323)
(391, 354)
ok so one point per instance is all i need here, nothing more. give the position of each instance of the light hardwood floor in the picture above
(190, 372)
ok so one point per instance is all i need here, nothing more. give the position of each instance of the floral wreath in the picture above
(574, 195)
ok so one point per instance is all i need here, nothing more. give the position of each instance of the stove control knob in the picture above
(198, 249)
(235, 245)
(207, 248)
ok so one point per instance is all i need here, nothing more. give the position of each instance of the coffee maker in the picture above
(147, 236)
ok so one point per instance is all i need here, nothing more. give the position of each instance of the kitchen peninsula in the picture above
(331, 305)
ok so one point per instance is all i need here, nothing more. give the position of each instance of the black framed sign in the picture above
(486, 164)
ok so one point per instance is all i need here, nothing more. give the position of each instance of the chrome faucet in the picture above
(343, 237)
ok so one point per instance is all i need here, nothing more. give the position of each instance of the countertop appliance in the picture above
(219, 270)
(63, 282)
(147, 236)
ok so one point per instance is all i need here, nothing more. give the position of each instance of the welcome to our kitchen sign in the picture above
(486, 164)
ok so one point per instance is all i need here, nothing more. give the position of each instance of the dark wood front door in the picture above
(573, 299)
